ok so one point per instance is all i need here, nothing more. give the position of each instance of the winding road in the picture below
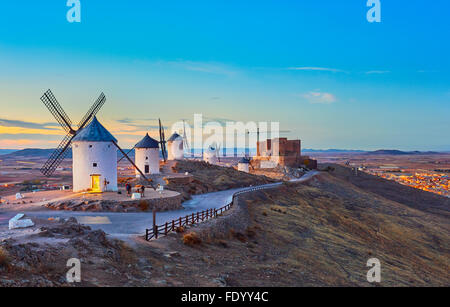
(125, 225)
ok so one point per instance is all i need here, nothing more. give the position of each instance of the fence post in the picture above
(146, 234)
(173, 225)
(187, 220)
(198, 217)
(155, 228)
(165, 229)
(193, 222)
(180, 221)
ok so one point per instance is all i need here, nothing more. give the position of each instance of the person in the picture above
(143, 191)
(128, 188)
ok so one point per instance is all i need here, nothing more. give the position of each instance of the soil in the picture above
(316, 234)
(212, 178)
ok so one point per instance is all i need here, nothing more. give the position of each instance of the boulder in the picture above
(16, 222)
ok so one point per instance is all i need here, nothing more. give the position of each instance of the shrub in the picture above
(191, 239)
(144, 205)
(4, 258)
(180, 229)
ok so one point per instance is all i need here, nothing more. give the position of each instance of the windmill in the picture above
(162, 141)
(185, 140)
(61, 117)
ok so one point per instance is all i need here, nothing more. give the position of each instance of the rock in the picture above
(16, 222)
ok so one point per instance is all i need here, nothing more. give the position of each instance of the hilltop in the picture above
(399, 152)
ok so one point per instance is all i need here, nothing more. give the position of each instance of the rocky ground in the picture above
(321, 234)
(40, 258)
(212, 178)
(316, 234)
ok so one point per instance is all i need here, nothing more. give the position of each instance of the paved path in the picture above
(123, 225)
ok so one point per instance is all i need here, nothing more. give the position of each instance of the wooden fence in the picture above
(191, 219)
(198, 217)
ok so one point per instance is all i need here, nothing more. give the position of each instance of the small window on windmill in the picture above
(94, 164)
(146, 158)
(90, 146)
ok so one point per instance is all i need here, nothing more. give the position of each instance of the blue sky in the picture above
(318, 67)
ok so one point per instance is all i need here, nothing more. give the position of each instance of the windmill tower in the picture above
(210, 154)
(175, 147)
(147, 155)
(94, 150)
(94, 159)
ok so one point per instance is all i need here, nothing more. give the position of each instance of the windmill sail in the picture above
(57, 156)
(57, 111)
(162, 141)
(92, 111)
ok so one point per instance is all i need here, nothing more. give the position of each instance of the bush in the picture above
(180, 229)
(144, 205)
(4, 258)
(191, 239)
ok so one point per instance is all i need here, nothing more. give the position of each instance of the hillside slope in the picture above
(321, 235)
(414, 198)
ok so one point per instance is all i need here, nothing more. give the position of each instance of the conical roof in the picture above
(94, 132)
(147, 142)
(173, 137)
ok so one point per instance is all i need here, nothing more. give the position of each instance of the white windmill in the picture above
(147, 155)
(175, 148)
(211, 154)
(94, 149)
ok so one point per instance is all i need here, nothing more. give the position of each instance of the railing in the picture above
(191, 219)
(198, 217)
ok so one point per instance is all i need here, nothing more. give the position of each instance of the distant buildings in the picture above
(281, 151)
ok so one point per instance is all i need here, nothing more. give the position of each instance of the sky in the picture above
(319, 68)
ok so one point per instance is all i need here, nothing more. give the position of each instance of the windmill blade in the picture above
(92, 111)
(57, 156)
(135, 166)
(162, 141)
(57, 111)
(123, 156)
(185, 141)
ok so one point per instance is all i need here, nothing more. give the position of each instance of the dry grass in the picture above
(4, 258)
(180, 229)
(238, 235)
(144, 205)
(191, 239)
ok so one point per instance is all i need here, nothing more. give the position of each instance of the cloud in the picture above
(316, 69)
(319, 97)
(377, 72)
(137, 124)
(28, 125)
